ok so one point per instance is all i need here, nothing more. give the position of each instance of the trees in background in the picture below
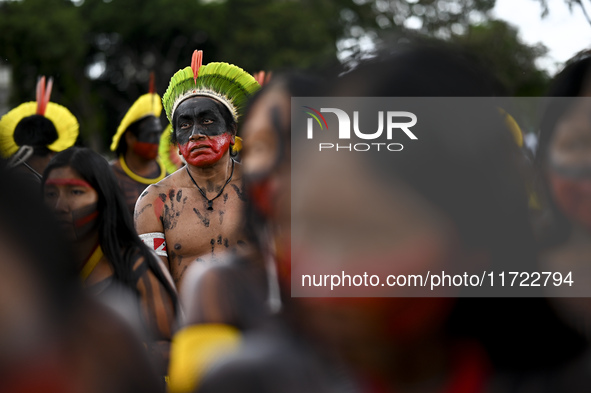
(101, 52)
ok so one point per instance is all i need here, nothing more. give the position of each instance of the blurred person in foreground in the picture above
(53, 338)
(136, 145)
(564, 161)
(113, 262)
(454, 196)
(33, 132)
(233, 299)
(194, 215)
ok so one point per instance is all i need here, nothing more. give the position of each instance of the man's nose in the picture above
(197, 133)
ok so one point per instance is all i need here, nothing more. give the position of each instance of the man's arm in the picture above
(148, 222)
(157, 306)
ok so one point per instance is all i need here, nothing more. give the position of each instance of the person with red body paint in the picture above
(114, 264)
(195, 214)
(136, 146)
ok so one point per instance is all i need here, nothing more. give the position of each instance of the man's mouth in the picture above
(199, 147)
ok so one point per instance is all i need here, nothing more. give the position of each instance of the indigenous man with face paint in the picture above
(136, 146)
(195, 214)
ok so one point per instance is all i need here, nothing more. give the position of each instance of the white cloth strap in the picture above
(155, 241)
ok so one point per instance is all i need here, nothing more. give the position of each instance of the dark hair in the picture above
(467, 169)
(567, 85)
(36, 131)
(31, 229)
(134, 128)
(226, 115)
(467, 165)
(117, 235)
(294, 84)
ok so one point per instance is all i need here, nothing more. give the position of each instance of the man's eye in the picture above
(77, 192)
(207, 121)
(50, 194)
(185, 125)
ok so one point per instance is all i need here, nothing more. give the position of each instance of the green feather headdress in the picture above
(226, 83)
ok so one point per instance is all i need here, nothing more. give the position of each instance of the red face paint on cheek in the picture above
(82, 221)
(573, 198)
(261, 196)
(206, 152)
(148, 151)
(85, 220)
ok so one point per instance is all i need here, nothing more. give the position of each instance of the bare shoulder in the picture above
(146, 216)
(150, 204)
(155, 191)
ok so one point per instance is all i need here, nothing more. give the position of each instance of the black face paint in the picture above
(149, 130)
(199, 116)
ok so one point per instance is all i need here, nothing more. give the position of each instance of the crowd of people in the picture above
(169, 268)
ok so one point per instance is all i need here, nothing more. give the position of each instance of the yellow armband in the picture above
(193, 351)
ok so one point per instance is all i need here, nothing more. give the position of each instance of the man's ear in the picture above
(172, 136)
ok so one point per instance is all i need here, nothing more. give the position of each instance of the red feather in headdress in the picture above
(196, 62)
(262, 78)
(43, 94)
(152, 89)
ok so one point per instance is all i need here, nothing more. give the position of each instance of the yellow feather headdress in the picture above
(64, 121)
(147, 105)
(513, 127)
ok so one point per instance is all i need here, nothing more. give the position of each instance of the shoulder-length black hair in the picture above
(117, 235)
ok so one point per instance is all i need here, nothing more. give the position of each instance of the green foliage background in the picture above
(127, 39)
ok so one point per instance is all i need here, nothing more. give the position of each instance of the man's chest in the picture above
(191, 229)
